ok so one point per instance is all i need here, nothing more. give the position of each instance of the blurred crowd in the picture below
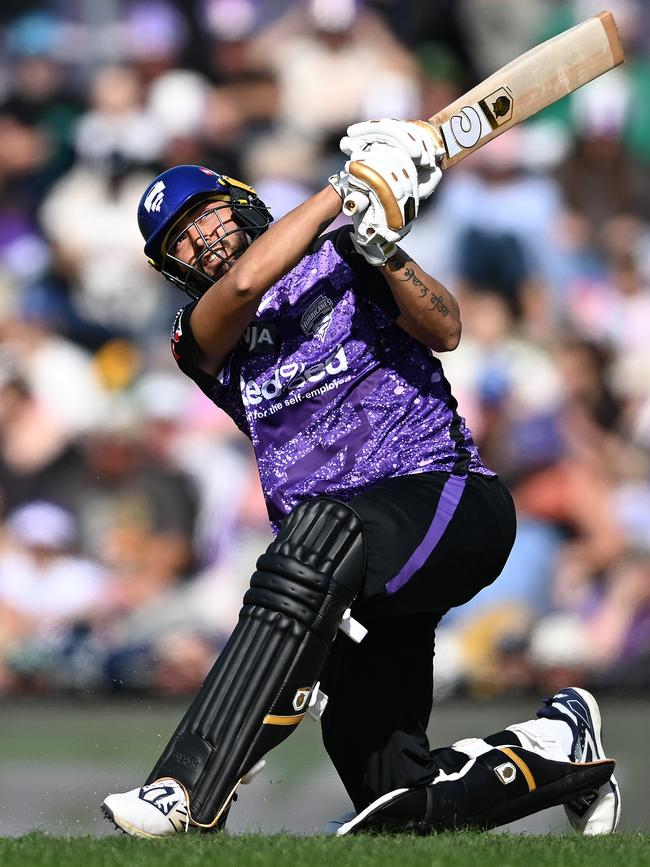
(130, 515)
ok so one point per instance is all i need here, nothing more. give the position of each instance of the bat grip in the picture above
(355, 203)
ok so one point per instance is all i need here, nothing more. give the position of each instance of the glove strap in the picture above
(339, 180)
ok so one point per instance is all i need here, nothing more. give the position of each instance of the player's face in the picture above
(210, 240)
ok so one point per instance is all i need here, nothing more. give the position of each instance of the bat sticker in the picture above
(463, 131)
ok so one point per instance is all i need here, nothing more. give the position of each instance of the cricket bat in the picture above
(519, 90)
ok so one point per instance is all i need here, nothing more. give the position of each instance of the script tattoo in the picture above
(436, 302)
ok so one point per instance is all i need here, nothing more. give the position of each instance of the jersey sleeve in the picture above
(185, 349)
(370, 281)
(223, 389)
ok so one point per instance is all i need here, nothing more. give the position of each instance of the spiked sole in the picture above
(126, 827)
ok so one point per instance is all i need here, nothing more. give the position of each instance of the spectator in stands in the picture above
(44, 588)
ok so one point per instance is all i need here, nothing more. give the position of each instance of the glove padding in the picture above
(380, 191)
(418, 138)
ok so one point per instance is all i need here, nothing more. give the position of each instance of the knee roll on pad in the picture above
(258, 690)
(314, 566)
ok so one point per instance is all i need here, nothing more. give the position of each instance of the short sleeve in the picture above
(185, 349)
(223, 389)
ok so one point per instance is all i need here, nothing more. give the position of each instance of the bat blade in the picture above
(528, 84)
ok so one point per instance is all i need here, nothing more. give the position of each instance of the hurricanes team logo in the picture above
(316, 320)
(155, 197)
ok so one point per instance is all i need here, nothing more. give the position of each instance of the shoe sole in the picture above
(126, 827)
(594, 712)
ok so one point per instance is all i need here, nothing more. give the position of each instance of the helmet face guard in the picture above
(224, 234)
(233, 217)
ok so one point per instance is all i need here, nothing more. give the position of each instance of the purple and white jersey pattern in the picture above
(333, 394)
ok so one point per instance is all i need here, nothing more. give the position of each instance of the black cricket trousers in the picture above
(433, 540)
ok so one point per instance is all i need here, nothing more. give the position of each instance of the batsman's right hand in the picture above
(379, 188)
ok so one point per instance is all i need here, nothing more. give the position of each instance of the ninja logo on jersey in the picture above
(260, 337)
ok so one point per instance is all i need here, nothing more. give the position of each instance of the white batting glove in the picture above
(375, 254)
(419, 139)
(379, 188)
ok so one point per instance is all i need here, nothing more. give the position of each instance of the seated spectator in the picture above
(38, 95)
(44, 587)
(38, 460)
(330, 61)
(619, 622)
(138, 511)
(87, 214)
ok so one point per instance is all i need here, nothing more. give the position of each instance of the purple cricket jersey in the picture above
(332, 393)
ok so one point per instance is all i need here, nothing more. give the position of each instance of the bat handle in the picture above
(355, 203)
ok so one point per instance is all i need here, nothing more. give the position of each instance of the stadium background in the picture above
(130, 516)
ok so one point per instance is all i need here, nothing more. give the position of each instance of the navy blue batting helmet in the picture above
(177, 192)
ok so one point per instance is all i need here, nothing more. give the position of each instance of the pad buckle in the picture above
(317, 702)
(352, 628)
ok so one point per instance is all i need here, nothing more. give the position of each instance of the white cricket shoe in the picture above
(157, 810)
(600, 811)
(161, 809)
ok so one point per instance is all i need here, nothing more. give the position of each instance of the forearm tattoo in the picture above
(435, 301)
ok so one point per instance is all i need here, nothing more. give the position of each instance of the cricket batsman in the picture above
(320, 347)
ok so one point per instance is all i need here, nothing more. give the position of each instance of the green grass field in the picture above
(60, 758)
(446, 850)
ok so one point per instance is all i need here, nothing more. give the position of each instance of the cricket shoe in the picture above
(491, 789)
(161, 809)
(157, 810)
(599, 811)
